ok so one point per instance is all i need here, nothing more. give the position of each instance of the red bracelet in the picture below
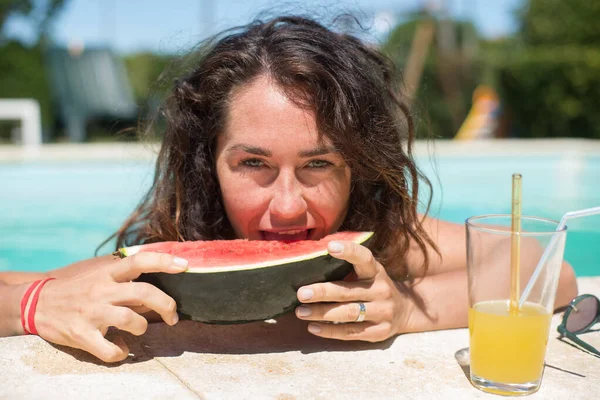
(24, 302)
(29, 314)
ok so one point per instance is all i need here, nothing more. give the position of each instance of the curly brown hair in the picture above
(353, 91)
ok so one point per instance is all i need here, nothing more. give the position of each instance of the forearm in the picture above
(441, 301)
(81, 267)
(17, 278)
(10, 309)
(567, 286)
(77, 268)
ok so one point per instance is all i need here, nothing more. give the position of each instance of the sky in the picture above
(168, 26)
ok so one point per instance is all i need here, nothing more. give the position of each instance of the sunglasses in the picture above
(581, 314)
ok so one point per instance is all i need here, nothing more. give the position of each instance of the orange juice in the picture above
(508, 347)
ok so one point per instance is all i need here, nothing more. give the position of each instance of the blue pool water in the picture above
(53, 214)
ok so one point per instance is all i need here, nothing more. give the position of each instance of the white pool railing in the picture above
(28, 112)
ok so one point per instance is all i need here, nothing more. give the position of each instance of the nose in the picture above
(287, 201)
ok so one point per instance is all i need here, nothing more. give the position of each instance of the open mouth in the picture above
(292, 235)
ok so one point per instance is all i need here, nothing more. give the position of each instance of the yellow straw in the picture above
(515, 245)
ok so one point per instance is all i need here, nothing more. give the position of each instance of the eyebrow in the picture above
(259, 151)
(319, 151)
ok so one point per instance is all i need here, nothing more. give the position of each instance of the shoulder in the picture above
(450, 249)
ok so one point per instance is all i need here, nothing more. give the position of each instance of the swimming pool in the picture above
(58, 212)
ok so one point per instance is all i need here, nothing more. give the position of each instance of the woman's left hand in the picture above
(387, 309)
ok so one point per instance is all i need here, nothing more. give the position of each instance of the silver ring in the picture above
(362, 312)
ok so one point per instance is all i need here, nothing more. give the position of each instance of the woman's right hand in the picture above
(78, 311)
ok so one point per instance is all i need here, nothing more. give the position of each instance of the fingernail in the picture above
(175, 319)
(314, 328)
(335, 247)
(305, 294)
(303, 311)
(180, 263)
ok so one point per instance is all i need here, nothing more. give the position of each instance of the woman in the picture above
(282, 130)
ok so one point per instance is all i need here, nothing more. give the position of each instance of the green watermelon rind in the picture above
(250, 293)
(361, 237)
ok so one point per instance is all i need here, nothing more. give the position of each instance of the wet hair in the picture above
(354, 93)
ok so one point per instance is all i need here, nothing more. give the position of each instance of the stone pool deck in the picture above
(279, 361)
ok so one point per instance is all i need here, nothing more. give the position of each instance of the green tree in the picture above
(22, 75)
(22, 70)
(143, 70)
(449, 76)
(560, 22)
(549, 81)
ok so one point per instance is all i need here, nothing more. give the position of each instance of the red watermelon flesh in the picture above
(218, 255)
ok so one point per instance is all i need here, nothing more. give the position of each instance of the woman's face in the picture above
(277, 180)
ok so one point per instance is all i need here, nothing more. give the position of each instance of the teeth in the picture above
(292, 232)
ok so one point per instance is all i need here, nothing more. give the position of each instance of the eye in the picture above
(318, 164)
(252, 163)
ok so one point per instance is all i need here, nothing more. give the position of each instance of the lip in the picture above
(297, 231)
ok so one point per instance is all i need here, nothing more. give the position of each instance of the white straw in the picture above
(538, 270)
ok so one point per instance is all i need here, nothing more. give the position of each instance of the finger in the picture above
(132, 267)
(141, 294)
(366, 331)
(120, 343)
(346, 312)
(365, 265)
(339, 292)
(125, 319)
(95, 344)
(140, 310)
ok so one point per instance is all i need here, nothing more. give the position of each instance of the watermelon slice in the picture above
(238, 281)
